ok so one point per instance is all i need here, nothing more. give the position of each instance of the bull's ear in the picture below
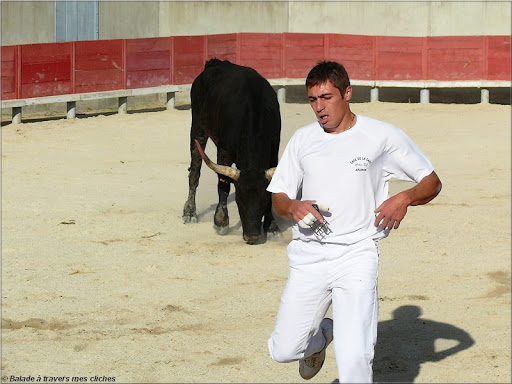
(269, 173)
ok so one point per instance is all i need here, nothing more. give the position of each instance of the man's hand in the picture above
(310, 219)
(301, 212)
(392, 211)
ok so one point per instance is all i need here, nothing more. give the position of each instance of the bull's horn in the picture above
(220, 169)
(269, 173)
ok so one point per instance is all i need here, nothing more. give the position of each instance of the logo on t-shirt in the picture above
(361, 163)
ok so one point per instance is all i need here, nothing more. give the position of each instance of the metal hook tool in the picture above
(320, 229)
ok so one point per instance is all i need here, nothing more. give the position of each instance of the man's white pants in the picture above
(321, 274)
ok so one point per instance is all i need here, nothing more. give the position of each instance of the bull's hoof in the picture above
(189, 219)
(274, 236)
(273, 232)
(254, 240)
(221, 230)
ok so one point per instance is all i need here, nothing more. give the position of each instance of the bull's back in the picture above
(238, 109)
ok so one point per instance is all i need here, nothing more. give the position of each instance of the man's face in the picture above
(329, 105)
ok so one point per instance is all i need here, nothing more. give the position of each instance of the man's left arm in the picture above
(393, 210)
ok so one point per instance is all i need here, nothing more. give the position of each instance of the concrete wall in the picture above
(27, 22)
(452, 18)
(133, 19)
(203, 18)
(361, 18)
(388, 18)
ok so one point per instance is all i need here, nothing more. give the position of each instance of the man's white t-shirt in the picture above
(348, 173)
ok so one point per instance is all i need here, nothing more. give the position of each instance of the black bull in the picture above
(238, 110)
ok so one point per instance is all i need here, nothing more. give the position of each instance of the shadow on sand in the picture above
(407, 341)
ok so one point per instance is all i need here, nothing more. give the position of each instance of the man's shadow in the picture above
(407, 341)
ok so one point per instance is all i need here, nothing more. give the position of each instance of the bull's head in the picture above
(251, 195)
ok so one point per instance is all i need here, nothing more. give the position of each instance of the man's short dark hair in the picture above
(328, 71)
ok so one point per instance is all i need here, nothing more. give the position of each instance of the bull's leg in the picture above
(221, 218)
(189, 210)
(270, 227)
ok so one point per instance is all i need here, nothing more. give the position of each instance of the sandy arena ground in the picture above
(102, 280)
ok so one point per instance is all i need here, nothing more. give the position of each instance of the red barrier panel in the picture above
(46, 69)
(9, 70)
(301, 52)
(188, 58)
(399, 58)
(456, 58)
(148, 62)
(222, 47)
(355, 52)
(36, 70)
(498, 58)
(99, 65)
(262, 51)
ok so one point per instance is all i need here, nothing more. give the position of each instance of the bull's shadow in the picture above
(407, 341)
